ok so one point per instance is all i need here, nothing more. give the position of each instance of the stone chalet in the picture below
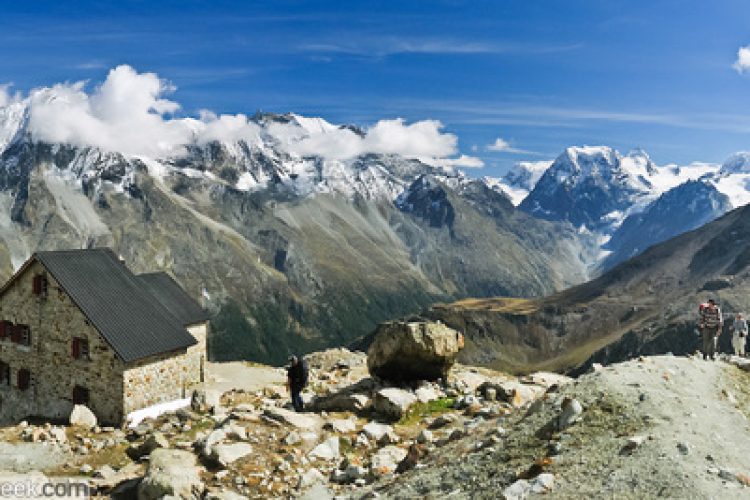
(78, 327)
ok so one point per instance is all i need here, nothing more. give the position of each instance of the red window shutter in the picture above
(37, 284)
(3, 329)
(15, 334)
(76, 348)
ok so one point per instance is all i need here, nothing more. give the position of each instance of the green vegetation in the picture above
(420, 410)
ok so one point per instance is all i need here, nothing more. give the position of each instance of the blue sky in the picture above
(541, 75)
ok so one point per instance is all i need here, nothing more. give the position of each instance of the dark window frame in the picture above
(81, 395)
(23, 379)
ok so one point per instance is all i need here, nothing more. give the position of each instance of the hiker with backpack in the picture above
(739, 334)
(297, 375)
(710, 325)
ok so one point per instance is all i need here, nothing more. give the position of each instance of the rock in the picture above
(327, 450)
(392, 403)
(413, 455)
(58, 434)
(490, 394)
(317, 492)
(86, 469)
(407, 351)
(203, 400)
(310, 478)
(385, 460)
(341, 425)
(294, 419)
(154, 441)
(465, 402)
(517, 491)
(226, 454)
(683, 448)
(292, 438)
(83, 417)
(105, 472)
(224, 495)
(375, 430)
(631, 444)
(170, 472)
(571, 413)
(235, 431)
(425, 394)
(442, 421)
(424, 437)
(390, 437)
(543, 483)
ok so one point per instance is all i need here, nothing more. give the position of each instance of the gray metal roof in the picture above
(130, 319)
(173, 297)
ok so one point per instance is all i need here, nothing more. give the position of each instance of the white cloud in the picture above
(129, 113)
(463, 161)
(742, 63)
(502, 146)
(6, 97)
(423, 140)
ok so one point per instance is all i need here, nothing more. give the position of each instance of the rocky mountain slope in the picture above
(292, 251)
(646, 305)
(631, 430)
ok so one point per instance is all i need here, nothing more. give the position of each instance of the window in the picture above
(80, 348)
(5, 329)
(80, 395)
(4, 373)
(40, 285)
(24, 379)
(21, 334)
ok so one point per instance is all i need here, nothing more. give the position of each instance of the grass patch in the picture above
(499, 304)
(420, 410)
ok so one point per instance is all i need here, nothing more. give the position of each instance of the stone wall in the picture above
(115, 389)
(54, 321)
(167, 377)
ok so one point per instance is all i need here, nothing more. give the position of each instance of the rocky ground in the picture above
(659, 426)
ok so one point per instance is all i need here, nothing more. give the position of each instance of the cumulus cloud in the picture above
(129, 113)
(423, 140)
(742, 63)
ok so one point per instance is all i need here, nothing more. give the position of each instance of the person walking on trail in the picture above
(739, 334)
(710, 327)
(297, 380)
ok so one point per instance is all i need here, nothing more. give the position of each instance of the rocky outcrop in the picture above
(171, 472)
(406, 351)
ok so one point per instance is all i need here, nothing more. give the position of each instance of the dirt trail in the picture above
(239, 375)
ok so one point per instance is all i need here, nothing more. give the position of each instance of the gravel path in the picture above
(238, 375)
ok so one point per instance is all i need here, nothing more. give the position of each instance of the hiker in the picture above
(710, 327)
(739, 334)
(296, 380)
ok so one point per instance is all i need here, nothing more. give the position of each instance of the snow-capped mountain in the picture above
(681, 209)
(520, 180)
(596, 187)
(302, 235)
(629, 203)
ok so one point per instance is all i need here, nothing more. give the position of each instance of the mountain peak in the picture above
(738, 163)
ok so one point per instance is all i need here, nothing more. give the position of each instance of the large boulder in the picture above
(407, 351)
